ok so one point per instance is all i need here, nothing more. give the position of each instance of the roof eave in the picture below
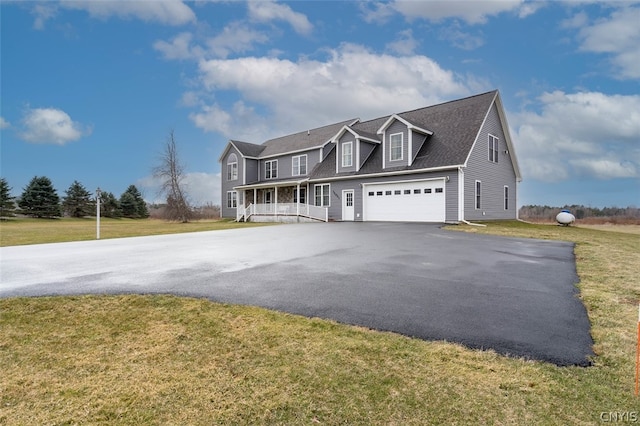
(407, 123)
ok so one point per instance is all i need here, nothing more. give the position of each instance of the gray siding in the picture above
(228, 185)
(335, 209)
(417, 142)
(493, 176)
(251, 171)
(365, 151)
(285, 162)
(396, 127)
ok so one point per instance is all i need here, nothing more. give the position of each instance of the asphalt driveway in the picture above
(515, 296)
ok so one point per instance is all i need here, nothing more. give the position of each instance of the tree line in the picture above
(579, 211)
(40, 199)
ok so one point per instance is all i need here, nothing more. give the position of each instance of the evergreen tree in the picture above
(140, 206)
(78, 202)
(7, 203)
(40, 198)
(109, 205)
(128, 205)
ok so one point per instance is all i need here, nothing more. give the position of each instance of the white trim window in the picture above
(347, 154)
(395, 147)
(232, 199)
(478, 195)
(299, 165)
(232, 167)
(506, 197)
(271, 169)
(322, 194)
(494, 144)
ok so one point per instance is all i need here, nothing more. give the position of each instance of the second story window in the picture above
(271, 169)
(232, 167)
(493, 149)
(395, 147)
(299, 165)
(347, 154)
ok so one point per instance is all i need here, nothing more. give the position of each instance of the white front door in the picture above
(347, 205)
(268, 200)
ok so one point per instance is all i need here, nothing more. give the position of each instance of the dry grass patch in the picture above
(628, 229)
(37, 231)
(155, 359)
(165, 360)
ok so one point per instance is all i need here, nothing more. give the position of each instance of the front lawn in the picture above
(20, 231)
(136, 359)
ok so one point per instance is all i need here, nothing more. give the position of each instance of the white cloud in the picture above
(579, 20)
(618, 35)
(201, 188)
(586, 134)
(190, 99)
(351, 82)
(170, 12)
(235, 38)
(179, 47)
(405, 45)
(51, 125)
(240, 123)
(470, 11)
(267, 11)
(4, 124)
(376, 12)
(43, 12)
(460, 39)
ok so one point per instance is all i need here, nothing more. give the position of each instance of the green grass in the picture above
(133, 360)
(37, 231)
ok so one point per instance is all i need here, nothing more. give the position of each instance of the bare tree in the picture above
(171, 173)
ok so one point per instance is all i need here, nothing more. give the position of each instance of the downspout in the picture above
(461, 200)
(472, 224)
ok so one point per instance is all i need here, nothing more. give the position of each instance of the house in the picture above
(449, 162)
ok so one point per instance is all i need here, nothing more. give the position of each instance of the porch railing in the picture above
(283, 209)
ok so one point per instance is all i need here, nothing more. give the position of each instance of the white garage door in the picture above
(415, 201)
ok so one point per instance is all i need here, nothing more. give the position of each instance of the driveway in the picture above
(515, 296)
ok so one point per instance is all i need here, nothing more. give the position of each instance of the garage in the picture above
(406, 201)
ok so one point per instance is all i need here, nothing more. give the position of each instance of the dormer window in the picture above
(347, 154)
(232, 167)
(395, 146)
(271, 169)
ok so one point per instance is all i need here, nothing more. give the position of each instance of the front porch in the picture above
(278, 202)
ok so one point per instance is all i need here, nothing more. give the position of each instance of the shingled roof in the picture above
(248, 149)
(454, 124)
(303, 140)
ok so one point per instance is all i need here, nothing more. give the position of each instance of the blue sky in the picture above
(90, 90)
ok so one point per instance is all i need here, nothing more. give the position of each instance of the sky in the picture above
(90, 90)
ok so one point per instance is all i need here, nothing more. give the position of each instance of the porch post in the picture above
(276, 201)
(255, 196)
(298, 201)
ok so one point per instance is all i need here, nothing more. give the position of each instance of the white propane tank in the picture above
(565, 218)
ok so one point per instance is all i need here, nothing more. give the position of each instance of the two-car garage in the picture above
(405, 201)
